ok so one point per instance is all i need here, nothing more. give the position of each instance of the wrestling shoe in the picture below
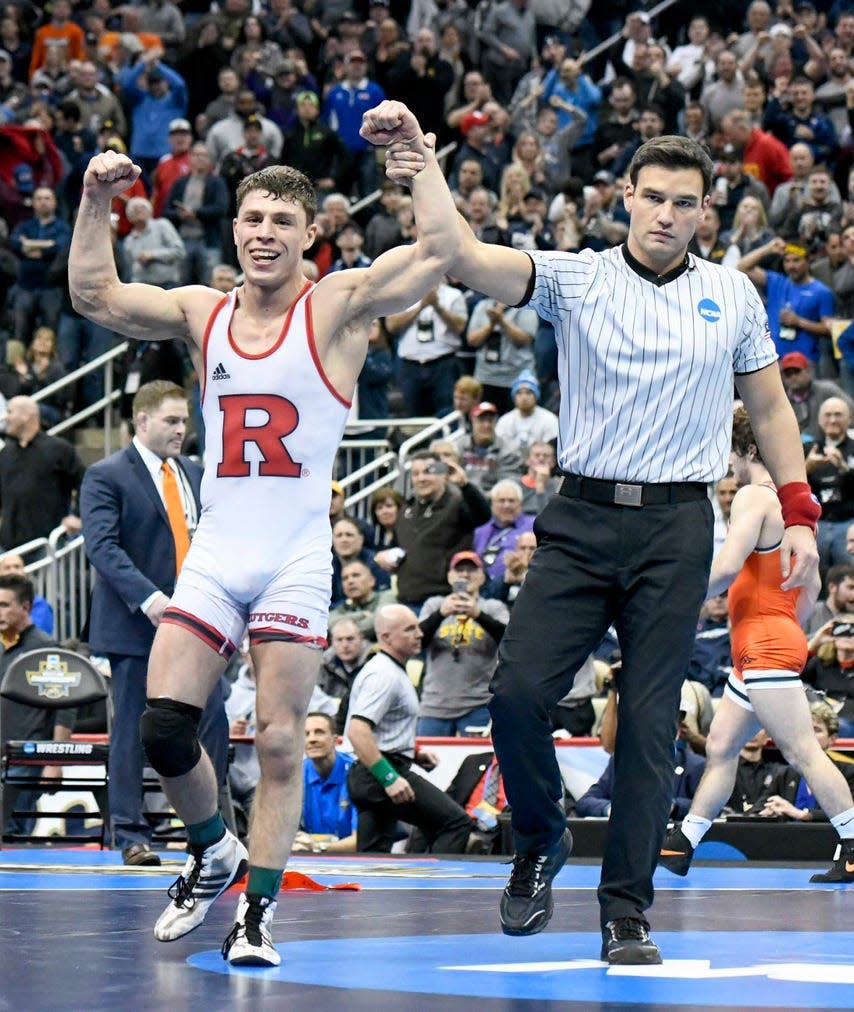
(249, 942)
(527, 904)
(626, 941)
(208, 872)
(676, 852)
(843, 865)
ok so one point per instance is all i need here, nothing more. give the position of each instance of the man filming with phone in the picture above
(436, 521)
(461, 632)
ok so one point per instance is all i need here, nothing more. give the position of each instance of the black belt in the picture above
(621, 493)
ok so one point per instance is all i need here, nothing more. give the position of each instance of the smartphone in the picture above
(460, 586)
(437, 467)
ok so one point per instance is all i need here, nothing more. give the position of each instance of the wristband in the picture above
(384, 773)
(800, 507)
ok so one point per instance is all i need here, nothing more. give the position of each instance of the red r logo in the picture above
(268, 436)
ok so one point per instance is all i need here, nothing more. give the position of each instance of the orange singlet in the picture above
(765, 632)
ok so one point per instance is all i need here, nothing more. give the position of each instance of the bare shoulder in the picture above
(756, 500)
(197, 303)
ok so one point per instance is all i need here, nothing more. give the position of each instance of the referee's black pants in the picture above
(445, 825)
(646, 571)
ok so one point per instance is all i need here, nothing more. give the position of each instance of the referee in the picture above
(381, 722)
(649, 339)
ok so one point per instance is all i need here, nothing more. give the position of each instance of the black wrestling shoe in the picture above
(843, 865)
(676, 852)
(626, 941)
(527, 904)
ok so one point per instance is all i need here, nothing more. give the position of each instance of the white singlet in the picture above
(261, 554)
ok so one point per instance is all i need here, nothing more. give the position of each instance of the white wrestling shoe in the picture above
(249, 942)
(208, 872)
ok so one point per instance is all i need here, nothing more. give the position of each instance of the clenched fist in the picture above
(109, 174)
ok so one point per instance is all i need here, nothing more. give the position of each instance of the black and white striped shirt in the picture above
(383, 694)
(646, 368)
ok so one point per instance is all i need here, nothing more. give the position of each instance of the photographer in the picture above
(436, 521)
(829, 471)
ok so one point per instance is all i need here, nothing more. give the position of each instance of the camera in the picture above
(437, 467)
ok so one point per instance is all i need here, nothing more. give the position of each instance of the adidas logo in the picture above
(219, 373)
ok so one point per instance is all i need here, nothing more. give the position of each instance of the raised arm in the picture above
(145, 312)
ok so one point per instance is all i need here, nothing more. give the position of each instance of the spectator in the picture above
(18, 635)
(157, 96)
(504, 338)
(830, 672)
(329, 818)
(819, 213)
(806, 394)
(707, 242)
(617, 130)
(802, 122)
(348, 544)
(789, 196)
(437, 521)
(39, 478)
(38, 242)
(361, 598)
(342, 661)
(381, 723)
(422, 79)
(516, 563)
(804, 807)
(77, 144)
(758, 779)
(527, 423)
(375, 377)
(154, 251)
(538, 483)
(40, 368)
(733, 184)
(315, 149)
(428, 336)
(605, 220)
(726, 93)
(690, 61)
(798, 305)
(229, 134)
(343, 107)
(60, 34)
(725, 491)
(830, 96)
(481, 218)
(196, 205)
(172, 166)
(383, 230)
(838, 606)
(827, 268)
(467, 392)
(41, 611)
(461, 632)
(830, 460)
(246, 158)
(476, 130)
(749, 230)
(711, 658)
(499, 535)
(765, 157)
(567, 89)
(225, 103)
(350, 239)
(385, 506)
(509, 46)
(485, 458)
(338, 510)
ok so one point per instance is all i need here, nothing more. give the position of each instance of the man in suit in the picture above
(137, 534)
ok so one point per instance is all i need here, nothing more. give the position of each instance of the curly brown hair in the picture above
(283, 182)
(742, 434)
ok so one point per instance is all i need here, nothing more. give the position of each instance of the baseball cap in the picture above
(535, 193)
(525, 379)
(732, 153)
(471, 557)
(796, 249)
(794, 360)
(484, 408)
(25, 181)
(603, 176)
(308, 96)
(253, 119)
(337, 488)
(473, 119)
(179, 125)
(780, 29)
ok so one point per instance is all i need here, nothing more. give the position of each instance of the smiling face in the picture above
(665, 207)
(271, 235)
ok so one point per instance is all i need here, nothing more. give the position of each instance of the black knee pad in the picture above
(170, 736)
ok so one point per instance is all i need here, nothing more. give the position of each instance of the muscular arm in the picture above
(749, 509)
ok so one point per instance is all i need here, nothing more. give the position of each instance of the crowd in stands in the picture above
(539, 140)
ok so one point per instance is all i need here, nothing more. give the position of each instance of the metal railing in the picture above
(61, 574)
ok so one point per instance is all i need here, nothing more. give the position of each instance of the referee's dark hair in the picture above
(742, 434)
(673, 152)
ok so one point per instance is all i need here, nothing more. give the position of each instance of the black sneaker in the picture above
(527, 904)
(626, 941)
(676, 852)
(843, 865)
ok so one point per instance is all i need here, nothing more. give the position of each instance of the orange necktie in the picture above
(177, 517)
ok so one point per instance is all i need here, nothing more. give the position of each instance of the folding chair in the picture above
(51, 678)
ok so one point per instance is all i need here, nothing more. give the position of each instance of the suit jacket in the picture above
(468, 775)
(129, 542)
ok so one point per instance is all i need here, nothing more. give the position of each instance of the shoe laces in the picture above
(630, 927)
(181, 890)
(250, 927)
(527, 872)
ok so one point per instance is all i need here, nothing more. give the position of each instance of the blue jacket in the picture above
(151, 116)
(688, 769)
(344, 107)
(129, 543)
(32, 274)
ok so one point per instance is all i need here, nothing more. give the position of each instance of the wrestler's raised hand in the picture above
(393, 123)
(108, 175)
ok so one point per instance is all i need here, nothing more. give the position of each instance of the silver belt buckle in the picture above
(627, 495)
